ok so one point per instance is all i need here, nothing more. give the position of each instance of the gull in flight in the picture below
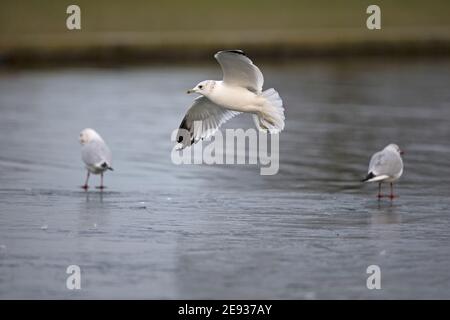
(239, 91)
(385, 166)
(95, 155)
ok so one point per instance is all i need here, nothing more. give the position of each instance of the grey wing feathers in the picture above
(239, 70)
(96, 153)
(201, 121)
(385, 163)
(376, 161)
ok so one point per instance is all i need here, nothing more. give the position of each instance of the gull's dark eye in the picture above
(200, 87)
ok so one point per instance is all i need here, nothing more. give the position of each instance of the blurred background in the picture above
(223, 231)
(121, 31)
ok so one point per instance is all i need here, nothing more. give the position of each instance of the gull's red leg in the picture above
(392, 191)
(101, 181)
(379, 191)
(85, 186)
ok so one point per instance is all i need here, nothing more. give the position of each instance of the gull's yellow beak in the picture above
(190, 91)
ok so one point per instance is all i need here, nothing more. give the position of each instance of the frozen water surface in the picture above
(198, 231)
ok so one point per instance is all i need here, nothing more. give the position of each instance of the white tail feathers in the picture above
(271, 116)
(378, 178)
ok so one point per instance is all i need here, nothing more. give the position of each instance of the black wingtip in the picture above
(184, 130)
(105, 166)
(236, 51)
(368, 177)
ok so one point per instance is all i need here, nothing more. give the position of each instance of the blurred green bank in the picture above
(35, 31)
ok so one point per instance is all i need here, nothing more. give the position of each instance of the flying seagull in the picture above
(385, 166)
(239, 91)
(95, 155)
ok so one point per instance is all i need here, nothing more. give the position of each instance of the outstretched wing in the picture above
(201, 121)
(239, 70)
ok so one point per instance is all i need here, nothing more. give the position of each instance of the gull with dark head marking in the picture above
(95, 155)
(385, 166)
(240, 91)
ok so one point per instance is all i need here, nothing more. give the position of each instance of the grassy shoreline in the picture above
(139, 47)
(146, 31)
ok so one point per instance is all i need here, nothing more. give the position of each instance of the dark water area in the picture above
(162, 230)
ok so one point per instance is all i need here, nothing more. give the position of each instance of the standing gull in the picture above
(385, 166)
(239, 91)
(95, 154)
